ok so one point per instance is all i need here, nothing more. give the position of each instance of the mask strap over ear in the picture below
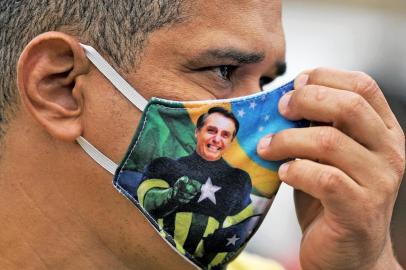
(108, 71)
(125, 88)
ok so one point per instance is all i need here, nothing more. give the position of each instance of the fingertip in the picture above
(283, 104)
(283, 171)
(263, 145)
(302, 80)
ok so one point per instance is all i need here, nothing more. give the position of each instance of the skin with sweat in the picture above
(58, 207)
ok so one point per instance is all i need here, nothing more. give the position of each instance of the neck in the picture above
(54, 217)
(41, 225)
(196, 152)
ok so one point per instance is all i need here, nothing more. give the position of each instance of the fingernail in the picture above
(284, 103)
(283, 170)
(301, 81)
(265, 141)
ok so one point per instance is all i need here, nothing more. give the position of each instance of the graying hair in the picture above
(118, 29)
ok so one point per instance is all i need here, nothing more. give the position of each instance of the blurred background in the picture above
(366, 35)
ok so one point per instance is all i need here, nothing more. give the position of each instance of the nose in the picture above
(216, 138)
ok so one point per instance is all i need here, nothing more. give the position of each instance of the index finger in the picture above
(353, 81)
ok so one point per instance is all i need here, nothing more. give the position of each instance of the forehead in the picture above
(250, 24)
(219, 121)
(232, 14)
(245, 25)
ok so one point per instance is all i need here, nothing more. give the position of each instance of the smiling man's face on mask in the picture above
(214, 138)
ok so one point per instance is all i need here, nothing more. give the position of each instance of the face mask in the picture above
(193, 171)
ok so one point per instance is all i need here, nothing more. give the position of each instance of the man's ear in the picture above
(47, 74)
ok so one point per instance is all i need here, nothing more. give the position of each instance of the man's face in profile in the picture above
(215, 136)
(221, 49)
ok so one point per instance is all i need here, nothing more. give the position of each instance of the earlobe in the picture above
(47, 74)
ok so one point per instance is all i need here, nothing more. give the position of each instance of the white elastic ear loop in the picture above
(97, 156)
(108, 71)
(125, 88)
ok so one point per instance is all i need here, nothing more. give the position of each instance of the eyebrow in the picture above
(230, 54)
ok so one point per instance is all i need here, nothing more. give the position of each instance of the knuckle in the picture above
(365, 85)
(401, 138)
(387, 190)
(311, 93)
(396, 159)
(318, 72)
(283, 138)
(353, 105)
(306, 96)
(329, 139)
(393, 155)
(321, 93)
(329, 180)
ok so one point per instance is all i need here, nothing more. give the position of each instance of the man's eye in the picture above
(224, 72)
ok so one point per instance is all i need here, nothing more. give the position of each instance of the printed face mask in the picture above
(193, 171)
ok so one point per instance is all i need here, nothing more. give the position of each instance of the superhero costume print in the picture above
(204, 204)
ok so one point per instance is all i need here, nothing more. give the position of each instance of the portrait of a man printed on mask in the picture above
(199, 187)
(179, 174)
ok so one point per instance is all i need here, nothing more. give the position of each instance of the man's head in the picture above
(182, 50)
(215, 131)
(119, 32)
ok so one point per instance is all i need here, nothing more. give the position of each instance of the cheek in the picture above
(227, 142)
(109, 121)
(207, 137)
(121, 136)
(202, 141)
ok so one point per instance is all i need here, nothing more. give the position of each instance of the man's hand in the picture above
(185, 189)
(349, 171)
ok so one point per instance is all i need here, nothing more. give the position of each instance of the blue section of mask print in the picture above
(260, 117)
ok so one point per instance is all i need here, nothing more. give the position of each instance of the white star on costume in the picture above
(263, 98)
(253, 105)
(232, 240)
(266, 118)
(241, 113)
(261, 128)
(208, 190)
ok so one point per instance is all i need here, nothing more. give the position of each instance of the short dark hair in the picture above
(226, 113)
(118, 30)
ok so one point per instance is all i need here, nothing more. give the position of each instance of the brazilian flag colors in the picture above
(222, 202)
(168, 130)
